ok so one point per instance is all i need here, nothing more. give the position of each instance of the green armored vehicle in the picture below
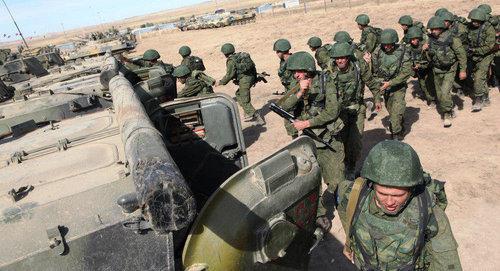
(154, 186)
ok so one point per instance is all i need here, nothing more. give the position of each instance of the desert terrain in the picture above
(466, 156)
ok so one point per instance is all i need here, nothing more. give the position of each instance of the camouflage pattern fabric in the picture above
(481, 42)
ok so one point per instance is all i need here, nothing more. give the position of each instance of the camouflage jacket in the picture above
(459, 30)
(419, 237)
(194, 87)
(417, 57)
(481, 41)
(369, 39)
(445, 51)
(232, 72)
(322, 56)
(351, 84)
(319, 105)
(285, 75)
(394, 67)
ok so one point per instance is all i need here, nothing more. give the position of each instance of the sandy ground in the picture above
(466, 156)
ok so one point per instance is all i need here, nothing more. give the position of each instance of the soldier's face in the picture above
(360, 26)
(415, 42)
(436, 32)
(342, 62)
(391, 199)
(279, 54)
(388, 47)
(300, 75)
(182, 80)
(404, 27)
(475, 23)
(447, 24)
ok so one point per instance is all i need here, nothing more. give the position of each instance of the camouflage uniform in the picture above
(288, 82)
(393, 67)
(481, 42)
(446, 54)
(244, 81)
(320, 105)
(369, 39)
(322, 56)
(417, 237)
(350, 84)
(194, 87)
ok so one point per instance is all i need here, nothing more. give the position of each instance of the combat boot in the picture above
(477, 104)
(447, 120)
(258, 118)
(486, 100)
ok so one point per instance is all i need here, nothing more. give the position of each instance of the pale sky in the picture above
(37, 17)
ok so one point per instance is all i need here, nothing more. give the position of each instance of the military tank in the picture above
(217, 20)
(153, 186)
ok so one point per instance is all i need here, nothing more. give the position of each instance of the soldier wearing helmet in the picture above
(369, 35)
(351, 76)
(391, 67)
(282, 48)
(446, 54)
(343, 36)
(240, 68)
(321, 53)
(420, 64)
(315, 105)
(394, 215)
(193, 86)
(406, 21)
(194, 63)
(481, 42)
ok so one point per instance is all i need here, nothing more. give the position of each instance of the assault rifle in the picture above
(282, 113)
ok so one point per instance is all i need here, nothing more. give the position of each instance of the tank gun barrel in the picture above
(163, 195)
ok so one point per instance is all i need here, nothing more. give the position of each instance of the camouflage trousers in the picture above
(332, 169)
(425, 80)
(479, 72)
(444, 84)
(352, 134)
(243, 95)
(396, 106)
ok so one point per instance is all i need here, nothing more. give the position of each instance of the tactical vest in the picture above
(440, 51)
(388, 66)
(350, 86)
(477, 36)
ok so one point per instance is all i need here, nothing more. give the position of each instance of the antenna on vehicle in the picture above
(19, 30)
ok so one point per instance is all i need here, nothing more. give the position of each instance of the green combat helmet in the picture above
(435, 22)
(440, 11)
(447, 16)
(389, 36)
(393, 163)
(363, 19)
(282, 45)
(181, 71)
(414, 33)
(485, 8)
(342, 36)
(227, 49)
(406, 20)
(184, 51)
(478, 15)
(314, 42)
(150, 55)
(341, 49)
(301, 61)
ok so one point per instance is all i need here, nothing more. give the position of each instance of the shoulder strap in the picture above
(357, 70)
(478, 39)
(401, 58)
(352, 204)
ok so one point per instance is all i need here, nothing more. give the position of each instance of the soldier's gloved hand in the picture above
(324, 223)
(462, 75)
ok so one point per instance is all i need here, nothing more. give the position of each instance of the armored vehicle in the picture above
(154, 186)
(217, 20)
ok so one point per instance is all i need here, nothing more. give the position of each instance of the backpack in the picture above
(244, 64)
(195, 64)
(377, 31)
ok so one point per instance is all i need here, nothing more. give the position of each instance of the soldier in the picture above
(394, 215)
(370, 36)
(343, 36)
(282, 48)
(150, 58)
(192, 85)
(440, 11)
(481, 43)
(406, 22)
(194, 63)
(420, 65)
(318, 109)
(241, 69)
(391, 66)
(350, 75)
(321, 53)
(446, 54)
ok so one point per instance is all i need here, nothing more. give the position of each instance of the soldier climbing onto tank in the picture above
(193, 86)
(316, 107)
(394, 214)
(446, 54)
(481, 42)
(321, 52)
(241, 69)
